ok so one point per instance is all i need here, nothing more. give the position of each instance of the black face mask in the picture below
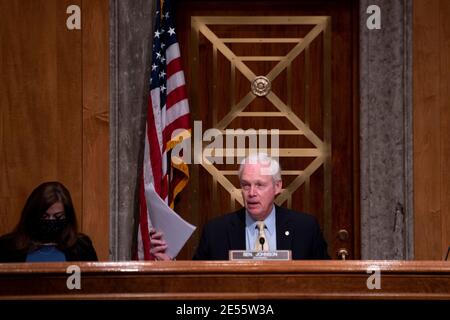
(50, 230)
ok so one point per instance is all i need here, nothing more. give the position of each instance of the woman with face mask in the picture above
(47, 230)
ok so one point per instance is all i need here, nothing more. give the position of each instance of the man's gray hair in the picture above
(271, 166)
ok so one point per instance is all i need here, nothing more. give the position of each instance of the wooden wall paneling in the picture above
(68, 90)
(344, 127)
(95, 26)
(356, 133)
(444, 98)
(427, 131)
(40, 122)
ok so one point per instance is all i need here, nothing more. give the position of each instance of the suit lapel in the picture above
(236, 232)
(284, 231)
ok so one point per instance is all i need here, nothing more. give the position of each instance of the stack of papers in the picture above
(176, 230)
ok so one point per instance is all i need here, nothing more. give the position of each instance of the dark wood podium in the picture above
(207, 280)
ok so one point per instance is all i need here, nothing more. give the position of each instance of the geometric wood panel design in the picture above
(292, 52)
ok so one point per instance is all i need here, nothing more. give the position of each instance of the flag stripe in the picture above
(172, 52)
(175, 81)
(154, 143)
(179, 109)
(174, 66)
(178, 94)
(155, 117)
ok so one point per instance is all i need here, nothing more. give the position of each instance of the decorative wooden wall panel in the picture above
(265, 59)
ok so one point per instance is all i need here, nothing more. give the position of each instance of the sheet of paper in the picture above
(176, 230)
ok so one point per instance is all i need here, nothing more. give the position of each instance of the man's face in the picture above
(258, 190)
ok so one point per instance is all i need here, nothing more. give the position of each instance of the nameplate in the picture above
(260, 255)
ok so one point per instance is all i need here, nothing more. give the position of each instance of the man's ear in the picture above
(278, 187)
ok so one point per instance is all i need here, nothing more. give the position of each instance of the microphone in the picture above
(261, 242)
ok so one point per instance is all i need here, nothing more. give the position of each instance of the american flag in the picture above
(168, 114)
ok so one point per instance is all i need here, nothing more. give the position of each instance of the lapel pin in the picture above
(286, 233)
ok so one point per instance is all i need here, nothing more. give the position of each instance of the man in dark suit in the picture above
(295, 231)
(282, 229)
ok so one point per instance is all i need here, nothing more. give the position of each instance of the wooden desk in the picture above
(228, 280)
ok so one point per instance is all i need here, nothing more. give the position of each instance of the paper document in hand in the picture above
(176, 230)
